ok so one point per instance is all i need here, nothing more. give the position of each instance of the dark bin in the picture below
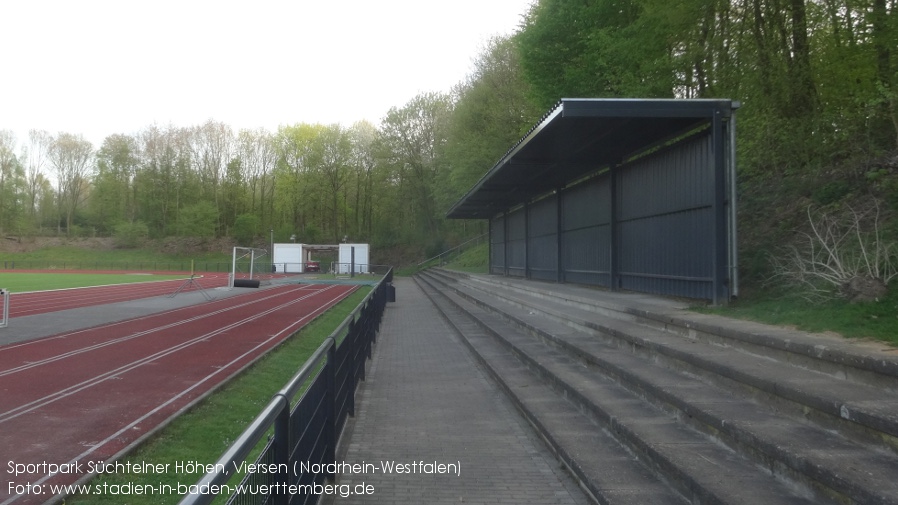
(391, 292)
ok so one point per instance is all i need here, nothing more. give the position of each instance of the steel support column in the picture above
(559, 263)
(614, 274)
(721, 242)
(526, 240)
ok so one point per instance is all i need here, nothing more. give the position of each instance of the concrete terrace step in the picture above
(871, 363)
(604, 468)
(748, 414)
(670, 460)
(866, 412)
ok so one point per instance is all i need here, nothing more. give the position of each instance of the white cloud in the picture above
(103, 67)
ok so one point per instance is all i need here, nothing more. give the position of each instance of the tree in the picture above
(211, 152)
(165, 181)
(491, 114)
(39, 195)
(257, 152)
(71, 156)
(362, 138)
(593, 49)
(298, 157)
(11, 183)
(198, 220)
(412, 137)
(112, 199)
(335, 158)
(246, 228)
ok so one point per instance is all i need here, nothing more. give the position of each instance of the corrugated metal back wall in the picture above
(664, 212)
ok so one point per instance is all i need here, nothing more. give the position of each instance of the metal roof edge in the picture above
(546, 119)
(604, 107)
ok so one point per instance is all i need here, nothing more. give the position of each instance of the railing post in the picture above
(282, 453)
(330, 368)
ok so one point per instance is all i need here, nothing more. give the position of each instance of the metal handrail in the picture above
(237, 452)
(466, 242)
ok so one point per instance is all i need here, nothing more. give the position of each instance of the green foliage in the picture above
(130, 235)
(474, 259)
(831, 192)
(817, 83)
(246, 228)
(608, 48)
(410, 146)
(877, 319)
(198, 220)
(491, 114)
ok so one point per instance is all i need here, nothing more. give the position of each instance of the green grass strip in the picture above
(203, 434)
(875, 320)
(21, 282)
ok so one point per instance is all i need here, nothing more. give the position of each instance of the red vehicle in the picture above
(313, 266)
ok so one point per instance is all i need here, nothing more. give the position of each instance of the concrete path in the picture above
(428, 409)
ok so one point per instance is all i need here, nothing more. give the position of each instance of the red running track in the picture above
(40, 302)
(89, 395)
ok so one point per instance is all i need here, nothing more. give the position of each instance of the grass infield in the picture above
(19, 282)
(202, 434)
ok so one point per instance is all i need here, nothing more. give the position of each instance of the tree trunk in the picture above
(803, 90)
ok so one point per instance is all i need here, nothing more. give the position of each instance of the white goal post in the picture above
(248, 263)
(4, 299)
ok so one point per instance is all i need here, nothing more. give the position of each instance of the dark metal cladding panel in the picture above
(586, 255)
(542, 249)
(543, 257)
(516, 247)
(543, 217)
(658, 256)
(666, 212)
(677, 178)
(587, 204)
(667, 233)
(497, 245)
(586, 232)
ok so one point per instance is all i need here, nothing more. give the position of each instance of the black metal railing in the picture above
(302, 439)
(445, 256)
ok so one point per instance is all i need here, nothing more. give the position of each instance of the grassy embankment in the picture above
(79, 258)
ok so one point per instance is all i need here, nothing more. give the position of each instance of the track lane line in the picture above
(127, 428)
(39, 341)
(77, 352)
(86, 384)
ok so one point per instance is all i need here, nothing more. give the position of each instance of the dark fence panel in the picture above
(542, 246)
(309, 429)
(586, 232)
(666, 218)
(308, 434)
(497, 245)
(516, 246)
(660, 234)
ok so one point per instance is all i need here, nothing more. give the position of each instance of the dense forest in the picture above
(817, 79)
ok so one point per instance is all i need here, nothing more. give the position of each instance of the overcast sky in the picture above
(102, 67)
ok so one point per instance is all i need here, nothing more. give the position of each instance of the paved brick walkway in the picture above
(426, 400)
